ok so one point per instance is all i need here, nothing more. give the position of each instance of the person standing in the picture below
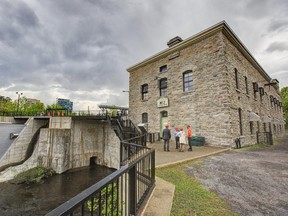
(182, 140)
(166, 136)
(189, 136)
(176, 137)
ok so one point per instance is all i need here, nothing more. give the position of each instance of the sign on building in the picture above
(162, 102)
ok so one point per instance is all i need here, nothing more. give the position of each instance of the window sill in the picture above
(188, 92)
(238, 90)
(248, 95)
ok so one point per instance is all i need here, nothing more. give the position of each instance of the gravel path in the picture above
(252, 182)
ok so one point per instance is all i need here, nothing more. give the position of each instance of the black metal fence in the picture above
(265, 137)
(123, 192)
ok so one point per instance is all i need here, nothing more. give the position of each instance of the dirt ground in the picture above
(253, 182)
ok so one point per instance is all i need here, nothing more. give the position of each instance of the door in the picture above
(163, 121)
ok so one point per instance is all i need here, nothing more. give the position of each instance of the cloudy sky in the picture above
(80, 49)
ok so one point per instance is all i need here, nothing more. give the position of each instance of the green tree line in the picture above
(12, 107)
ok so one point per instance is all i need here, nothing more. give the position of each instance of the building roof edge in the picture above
(221, 26)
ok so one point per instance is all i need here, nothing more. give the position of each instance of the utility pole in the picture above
(19, 95)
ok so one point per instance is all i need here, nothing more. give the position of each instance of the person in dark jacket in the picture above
(166, 136)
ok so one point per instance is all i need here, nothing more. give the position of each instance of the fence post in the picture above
(132, 190)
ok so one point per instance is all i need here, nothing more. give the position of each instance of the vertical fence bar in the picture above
(132, 190)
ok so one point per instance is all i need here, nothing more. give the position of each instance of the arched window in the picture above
(144, 117)
(187, 81)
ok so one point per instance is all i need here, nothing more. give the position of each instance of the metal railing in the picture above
(265, 137)
(121, 193)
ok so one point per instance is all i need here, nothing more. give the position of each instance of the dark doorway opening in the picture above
(93, 161)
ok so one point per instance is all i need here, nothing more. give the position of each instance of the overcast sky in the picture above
(80, 49)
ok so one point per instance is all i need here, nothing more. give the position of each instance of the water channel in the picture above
(39, 199)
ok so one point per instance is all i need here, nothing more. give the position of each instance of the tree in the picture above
(284, 98)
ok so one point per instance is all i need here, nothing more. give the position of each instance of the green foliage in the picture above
(190, 197)
(112, 112)
(54, 106)
(110, 199)
(9, 106)
(34, 175)
(284, 98)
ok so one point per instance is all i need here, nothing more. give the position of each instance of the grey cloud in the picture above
(17, 18)
(75, 48)
(277, 46)
(278, 25)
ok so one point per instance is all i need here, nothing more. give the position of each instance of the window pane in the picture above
(163, 83)
(163, 68)
(144, 88)
(144, 117)
(187, 81)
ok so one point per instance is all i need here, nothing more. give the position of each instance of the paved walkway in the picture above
(160, 202)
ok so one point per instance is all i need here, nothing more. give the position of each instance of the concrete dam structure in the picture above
(60, 143)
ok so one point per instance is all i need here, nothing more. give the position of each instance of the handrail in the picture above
(124, 191)
(91, 193)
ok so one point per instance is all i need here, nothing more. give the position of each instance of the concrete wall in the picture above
(18, 149)
(7, 119)
(71, 143)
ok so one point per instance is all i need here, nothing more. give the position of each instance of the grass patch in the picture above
(34, 175)
(190, 197)
(254, 147)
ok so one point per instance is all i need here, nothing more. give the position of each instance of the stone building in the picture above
(210, 81)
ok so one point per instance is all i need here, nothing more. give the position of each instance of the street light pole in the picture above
(19, 94)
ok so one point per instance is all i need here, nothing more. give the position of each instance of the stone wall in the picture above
(206, 107)
(212, 106)
(246, 101)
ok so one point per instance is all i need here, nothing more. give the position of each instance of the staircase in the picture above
(126, 130)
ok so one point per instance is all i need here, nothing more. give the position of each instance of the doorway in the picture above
(163, 121)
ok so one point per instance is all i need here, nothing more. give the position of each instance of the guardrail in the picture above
(123, 192)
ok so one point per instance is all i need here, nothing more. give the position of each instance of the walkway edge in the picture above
(193, 158)
(161, 199)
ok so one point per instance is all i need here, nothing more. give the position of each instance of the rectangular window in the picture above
(236, 78)
(261, 92)
(246, 85)
(255, 89)
(163, 68)
(144, 92)
(240, 121)
(144, 117)
(187, 81)
(163, 87)
(251, 127)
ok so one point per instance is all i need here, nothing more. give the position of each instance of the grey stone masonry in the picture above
(214, 104)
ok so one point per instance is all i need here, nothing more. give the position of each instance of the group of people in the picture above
(181, 139)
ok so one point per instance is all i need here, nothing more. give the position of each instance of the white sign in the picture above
(162, 102)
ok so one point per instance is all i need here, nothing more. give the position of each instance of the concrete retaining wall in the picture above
(18, 149)
(63, 149)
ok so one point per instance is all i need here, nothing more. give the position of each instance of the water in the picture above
(39, 199)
